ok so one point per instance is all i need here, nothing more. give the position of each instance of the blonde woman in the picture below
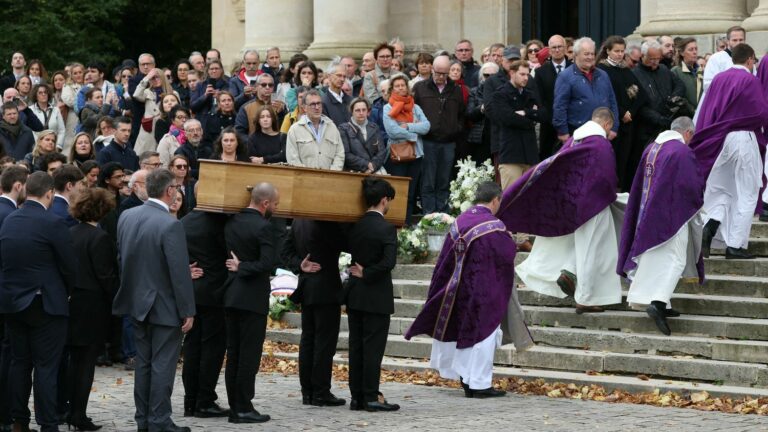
(45, 144)
(69, 96)
(148, 92)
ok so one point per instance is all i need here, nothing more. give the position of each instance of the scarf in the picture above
(402, 108)
(12, 129)
(179, 134)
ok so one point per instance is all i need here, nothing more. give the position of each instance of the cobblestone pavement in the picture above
(423, 408)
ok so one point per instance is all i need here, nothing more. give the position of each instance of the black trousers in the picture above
(622, 149)
(245, 342)
(5, 364)
(82, 365)
(367, 341)
(203, 351)
(319, 335)
(37, 342)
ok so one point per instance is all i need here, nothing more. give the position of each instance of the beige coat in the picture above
(304, 151)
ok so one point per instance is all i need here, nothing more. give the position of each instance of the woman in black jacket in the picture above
(629, 99)
(267, 144)
(220, 119)
(364, 148)
(90, 306)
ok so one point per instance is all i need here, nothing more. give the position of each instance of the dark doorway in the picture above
(597, 19)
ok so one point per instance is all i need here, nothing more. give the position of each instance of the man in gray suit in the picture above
(156, 292)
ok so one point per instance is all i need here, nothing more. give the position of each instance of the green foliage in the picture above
(60, 32)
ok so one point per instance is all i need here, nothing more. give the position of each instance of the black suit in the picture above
(320, 297)
(246, 298)
(370, 302)
(205, 344)
(6, 207)
(90, 309)
(545, 81)
(38, 273)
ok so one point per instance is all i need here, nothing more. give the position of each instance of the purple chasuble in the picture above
(472, 282)
(735, 102)
(667, 191)
(564, 191)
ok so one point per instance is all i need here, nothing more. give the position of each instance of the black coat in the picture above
(516, 133)
(271, 148)
(445, 111)
(359, 152)
(193, 155)
(213, 125)
(654, 116)
(373, 244)
(335, 110)
(545, 82)
(628, 99)
(17, 147)
(323, 242)
(207, 247)
(90, 305)
(251, 238)
(491, 85)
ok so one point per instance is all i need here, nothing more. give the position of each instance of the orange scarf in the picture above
(402, 108)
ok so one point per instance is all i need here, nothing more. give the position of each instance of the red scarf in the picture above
(402, 108)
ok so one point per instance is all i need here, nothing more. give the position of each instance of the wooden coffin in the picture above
(224, 187)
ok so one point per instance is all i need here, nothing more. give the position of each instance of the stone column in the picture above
(695, 17)
(647, 11)
(757, 28)
(348, 28)
(286, 24)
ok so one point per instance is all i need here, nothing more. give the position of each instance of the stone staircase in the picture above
(719, 344)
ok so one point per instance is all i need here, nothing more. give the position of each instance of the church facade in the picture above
(323, 28)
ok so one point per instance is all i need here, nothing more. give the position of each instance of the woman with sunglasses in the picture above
(176, 137)
(149, 92)
(179, 166)
(532, 48)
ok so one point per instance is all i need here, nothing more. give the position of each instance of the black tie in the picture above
(559, 68)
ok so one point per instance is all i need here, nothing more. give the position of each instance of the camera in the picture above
(252, 82)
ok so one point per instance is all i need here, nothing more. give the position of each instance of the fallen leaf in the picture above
(643, 377)
(699, 397)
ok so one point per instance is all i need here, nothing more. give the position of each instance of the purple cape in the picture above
(667, 191)
(485, 282)
(735, 102)
(564, 191)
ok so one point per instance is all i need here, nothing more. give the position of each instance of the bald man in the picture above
(545, 82)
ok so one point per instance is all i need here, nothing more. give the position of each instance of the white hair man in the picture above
(243, 84)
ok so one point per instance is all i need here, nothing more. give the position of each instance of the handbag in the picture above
(402, 152)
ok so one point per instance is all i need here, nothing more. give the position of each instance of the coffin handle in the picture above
(249, 188)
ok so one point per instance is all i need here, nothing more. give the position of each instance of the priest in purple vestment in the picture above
(567, 201)
(661, 235)
(727, 145)
(472, 296)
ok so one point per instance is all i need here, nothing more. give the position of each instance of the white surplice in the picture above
(473, 365)
(660, 268)
(732, 189)
(591, 253)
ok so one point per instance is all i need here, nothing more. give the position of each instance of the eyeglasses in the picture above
(464, 50)
(193, 130)
(154, 165)
(155, 78)
(180, 167)
(116, 176)
(434, 72)
(181, 117)
(385, 57)
(557, 47)
(146, 64)
(486, 75)
(265, 85)
(315, 104)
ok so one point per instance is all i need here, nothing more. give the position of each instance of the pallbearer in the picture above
(661, 236)
(472, 289)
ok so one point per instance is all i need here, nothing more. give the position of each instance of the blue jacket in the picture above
(60, 207)
(576, 98)
(114, 152)
(36, 254)
(412, 131)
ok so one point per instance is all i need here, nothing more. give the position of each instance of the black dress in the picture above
(269, 147)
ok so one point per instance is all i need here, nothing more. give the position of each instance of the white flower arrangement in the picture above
(463, 188)
(345, 260)
(436, 222)
(412, 245)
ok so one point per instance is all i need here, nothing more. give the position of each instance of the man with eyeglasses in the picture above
(150, 160)
(146, 64)
(383, 54)
(243, 84)
(119, 150)
(246, 116)
(545, 82)
(443, 104)
(314, 141)
(192, 148)
(463, 53)
(335, 101)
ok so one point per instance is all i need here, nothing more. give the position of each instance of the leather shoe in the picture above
(381, 406)
(659, 318)
(356, 405)
(328, 400)
(737, 253)
(671, 313)
(708, 233)
(214, 410)
(248, 417)
(567, 283)
(142, 430)
(487, 393)
(467, 390)
(581, 309)
(189, 412)
(306, 400)
(173, 428)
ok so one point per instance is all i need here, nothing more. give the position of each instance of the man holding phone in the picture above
(243, 84)
(246, 116)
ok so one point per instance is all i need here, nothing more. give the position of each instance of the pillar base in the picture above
(325, 51)
(759, 41)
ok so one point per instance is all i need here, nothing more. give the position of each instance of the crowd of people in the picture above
(105, 276)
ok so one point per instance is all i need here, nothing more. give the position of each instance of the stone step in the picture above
(716, 285)
(757, 246)
(759, 229)
(629, 321)
(746, 351)
(610, 382)
(545, 357)
(715, 265)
